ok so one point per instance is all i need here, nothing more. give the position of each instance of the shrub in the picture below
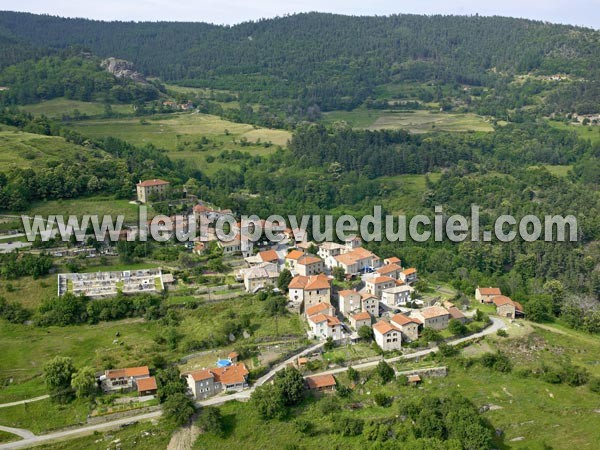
(594, 385)
(502, 332)
(382, 400)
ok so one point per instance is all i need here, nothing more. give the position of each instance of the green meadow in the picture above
(530, 413)
(193, 137)
(419, 121)
(59, 107)
(19, 149)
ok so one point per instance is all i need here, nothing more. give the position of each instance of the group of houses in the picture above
(505, 306)
(129, 379)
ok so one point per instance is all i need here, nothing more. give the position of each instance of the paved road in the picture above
(22, 402)
(495, 326)
(32, 440)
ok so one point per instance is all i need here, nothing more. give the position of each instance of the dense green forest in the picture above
(331, 61)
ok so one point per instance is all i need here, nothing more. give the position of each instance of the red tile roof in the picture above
(433, 311)
(384, 327)
(346, 292)
(455, 313)
(320, 381)
(269, 256)
(234, 374)
(155, 182)
(500, 300)
(401, 319)
(392, 260)
(318, 318)
(316, 309)
(490, 291)
(146, 384)
(362, 316)
(317, 282)
(410, 271)
(294, 254)
(388, 268)
(129, 372)
(380, 280)
(309, 259)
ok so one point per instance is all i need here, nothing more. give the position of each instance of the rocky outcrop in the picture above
(122, 69)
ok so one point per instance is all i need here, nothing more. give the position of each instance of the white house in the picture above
(309, 290)
(377, 285)
(409, 275)
(397, 295)
(435, 317)
(370, 303)
(322, 327)
(360, 319)
(208, 382)
(409, 326)
(387, 336)
(309, 265)
(349, 301)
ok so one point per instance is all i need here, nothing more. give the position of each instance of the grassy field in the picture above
(407, 191)
(45, 415)
(142, 436)
(58, 107)
(591, 133)
(181, 134)
(201, 323)
(532, 414)
(27, 348)
(414, 121)
(8, 437)
(19, 149)
(97, 205)
(559, 171)
(28, 291)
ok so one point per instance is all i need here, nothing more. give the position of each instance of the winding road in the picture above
(30, 440)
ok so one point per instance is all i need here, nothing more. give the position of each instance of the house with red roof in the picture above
(324, 326)
(151, 188)
(308, 265)
(349, 301)
(309, 290)
(485, 295)
(387, 336)
(435, 317)
(321, 383)
(506, 307)
(209, 382)
(409, 275)
(408, 326)
(361, 319)
(123, 379)
(378, 284)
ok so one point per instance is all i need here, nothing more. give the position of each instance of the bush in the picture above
(385, 372)
(497, 361)
(457, 328)
(446, 350)
(210, 421)
(594, 385)
(502, 332)
(348, 426)
(179, 409)
(382, 400)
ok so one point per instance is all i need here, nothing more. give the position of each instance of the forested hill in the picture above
(332, 60)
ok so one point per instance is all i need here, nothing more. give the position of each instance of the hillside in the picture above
(330, 60)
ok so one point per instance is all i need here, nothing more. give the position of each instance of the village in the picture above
(343, 293)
